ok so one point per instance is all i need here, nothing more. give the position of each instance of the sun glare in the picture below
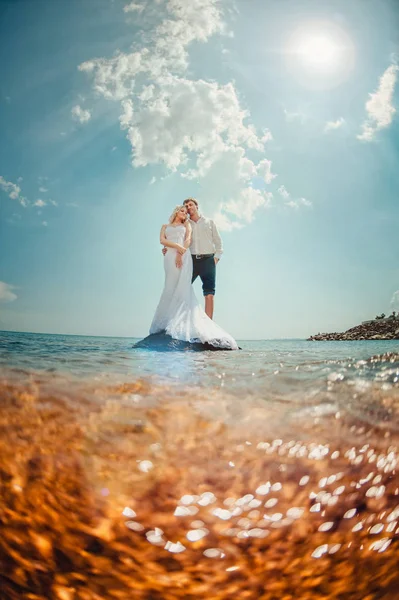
(320, 54)
(318, 51)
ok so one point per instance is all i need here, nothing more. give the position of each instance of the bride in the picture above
(179, 314)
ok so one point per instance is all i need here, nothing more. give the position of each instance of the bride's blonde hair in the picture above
(174, 213)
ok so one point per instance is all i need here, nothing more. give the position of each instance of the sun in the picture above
(320, 53)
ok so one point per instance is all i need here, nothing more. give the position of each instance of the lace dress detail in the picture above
(179, 313)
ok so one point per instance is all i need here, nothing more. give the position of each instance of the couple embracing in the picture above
(192, 248)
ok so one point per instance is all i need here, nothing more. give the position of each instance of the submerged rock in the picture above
(161, 342)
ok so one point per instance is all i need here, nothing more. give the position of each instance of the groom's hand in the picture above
(216, 261)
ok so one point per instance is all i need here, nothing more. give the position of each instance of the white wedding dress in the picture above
(179, 314)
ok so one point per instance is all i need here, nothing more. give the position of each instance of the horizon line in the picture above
(131, 337)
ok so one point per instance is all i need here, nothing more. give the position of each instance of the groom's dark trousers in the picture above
(204, 267)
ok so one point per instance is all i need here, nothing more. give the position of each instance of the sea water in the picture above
(270, 472)
(260, 364)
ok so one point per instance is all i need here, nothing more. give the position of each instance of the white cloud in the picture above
(267, 136)
(197, 128)
(332, 125)
(196, 20)
(40, 203)
(298, 203)
(379, 107)
(227, 190)
(244, 207)
(44, 223)
(133, 7)
(13, 190)
(292, 202)
(114, 77)
(6, 292)
(114, 148)
(183, 22)
(43, 190)
(80, 114)
(264, 169)
(283, 192)
(147, 93)
(186, 116)
(153, 180)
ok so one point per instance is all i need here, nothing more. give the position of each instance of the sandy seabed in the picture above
(141, 491)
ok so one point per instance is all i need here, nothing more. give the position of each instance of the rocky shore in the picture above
(378, 329)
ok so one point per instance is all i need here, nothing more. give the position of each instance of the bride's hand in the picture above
(181, 249)
(179, 261)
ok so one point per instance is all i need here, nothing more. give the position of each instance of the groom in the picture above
(206, 250)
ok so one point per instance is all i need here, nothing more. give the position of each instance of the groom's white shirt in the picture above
(205, 238)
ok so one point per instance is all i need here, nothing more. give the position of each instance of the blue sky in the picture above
(279, 116)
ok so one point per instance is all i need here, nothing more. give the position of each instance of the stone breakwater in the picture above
(137, 492)
(387, 329)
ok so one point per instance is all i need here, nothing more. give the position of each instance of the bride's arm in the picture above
(187, 239)
(165, 242)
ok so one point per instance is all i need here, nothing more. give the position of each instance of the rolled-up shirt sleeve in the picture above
(217, 241)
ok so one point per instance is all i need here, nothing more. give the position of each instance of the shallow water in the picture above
(265, 473)
(270, 371)
(258, 365)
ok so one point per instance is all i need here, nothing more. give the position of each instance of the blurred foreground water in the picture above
(265, 473)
